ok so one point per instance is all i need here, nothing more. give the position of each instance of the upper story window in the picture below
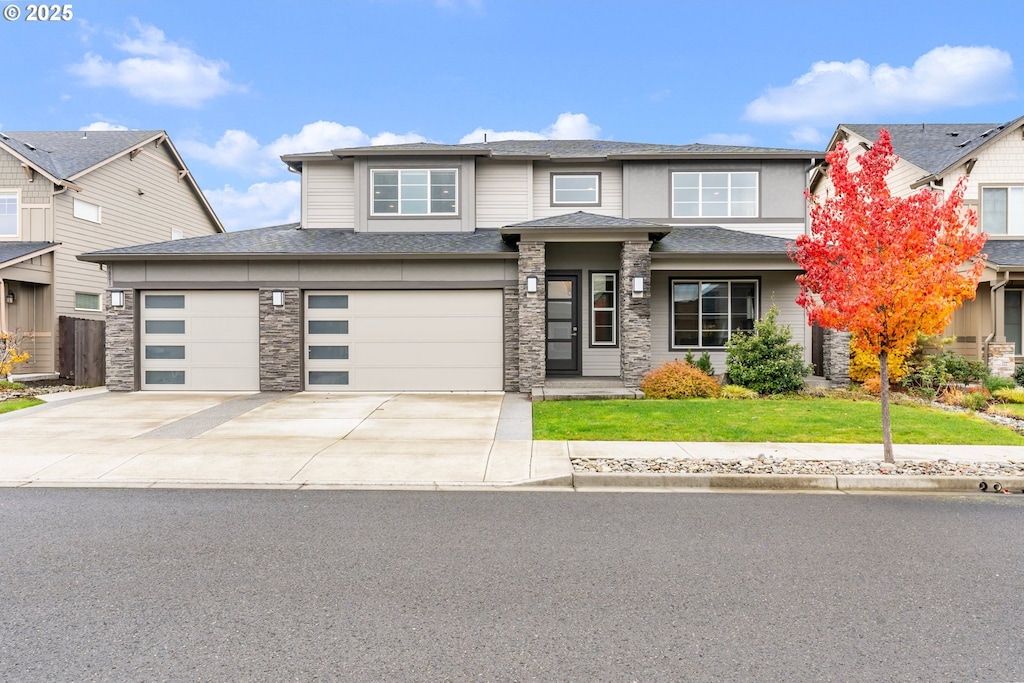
(8, 214)
(1002, 210)
(415, 192)
(86, 211)
(714, 194)
(576, 189)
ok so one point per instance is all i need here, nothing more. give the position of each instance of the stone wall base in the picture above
(1001, 358)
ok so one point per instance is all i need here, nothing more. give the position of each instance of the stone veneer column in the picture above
(280, 341)
(1001, 359)
(532, 337)
(510, 302)
(634, 313)
(120, 336)
(835, 356)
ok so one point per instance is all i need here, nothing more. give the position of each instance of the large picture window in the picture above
(8, 214)
(415, 192)
(705, 313)
(603, 310)
(1002, 210)
(717, 194)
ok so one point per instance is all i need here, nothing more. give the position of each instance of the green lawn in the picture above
(820, 420)
(18, 404)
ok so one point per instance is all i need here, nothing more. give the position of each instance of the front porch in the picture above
(557, 388)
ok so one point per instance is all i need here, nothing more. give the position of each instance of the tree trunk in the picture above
(883, 366)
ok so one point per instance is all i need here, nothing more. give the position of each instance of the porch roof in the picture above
(13, 252)
(712, 239)
(1005, 253)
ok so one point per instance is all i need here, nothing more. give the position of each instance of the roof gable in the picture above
(63, 154)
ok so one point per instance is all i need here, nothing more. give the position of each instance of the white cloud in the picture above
(103, 125)
(157, 70)
(236, 150)
(396, 138)
(568, 126)
(948, 76)
(260, 205)
(806, 135)
(741, 139)
(320, 136)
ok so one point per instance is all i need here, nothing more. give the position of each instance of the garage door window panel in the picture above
(165, 352)
(328, 377)
(328, 353)
(165, 377)
(329, 301)
(165, 301)
(328, 326)
(165, 327)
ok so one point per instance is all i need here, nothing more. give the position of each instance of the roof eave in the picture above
(703, 156)
(99, 257)
(344, 153)
(31, 255)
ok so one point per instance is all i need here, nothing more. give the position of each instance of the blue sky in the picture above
(236, 84)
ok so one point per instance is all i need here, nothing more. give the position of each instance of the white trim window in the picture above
(87, 302)
(705, 313)
(8, 214)
(717, 194)
(86, 211)
(575, 189)
(1002, 210)
(414, 192)
(603, 309)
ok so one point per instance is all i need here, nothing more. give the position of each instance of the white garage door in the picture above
(200, 340)
(404, 340)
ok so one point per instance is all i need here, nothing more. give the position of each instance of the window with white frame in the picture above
(603, 310)
(1002, 210)
(706, 313)
(87, 302)
(714, 194)
(414, 192)
(576, 189)
(8, 214)
(86, 211)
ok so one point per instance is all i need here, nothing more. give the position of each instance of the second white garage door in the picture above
(447, 340)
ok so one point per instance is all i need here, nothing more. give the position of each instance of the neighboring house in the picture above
(991, 157)
(67, 192)
(487, 266)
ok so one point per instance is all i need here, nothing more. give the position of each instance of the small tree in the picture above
(886, 268)
(766, 359)
(10, 355)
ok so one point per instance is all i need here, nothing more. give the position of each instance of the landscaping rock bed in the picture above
(50, 386)
(775, 465)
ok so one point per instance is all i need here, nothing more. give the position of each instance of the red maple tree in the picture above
(882, 267)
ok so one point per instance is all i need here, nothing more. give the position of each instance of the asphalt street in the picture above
(232, 585)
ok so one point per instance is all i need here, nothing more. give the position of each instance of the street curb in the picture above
(791, 482)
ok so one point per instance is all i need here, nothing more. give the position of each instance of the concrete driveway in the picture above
(280, 440)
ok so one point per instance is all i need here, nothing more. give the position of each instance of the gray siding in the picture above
(141, 201)
(504, 193)
(596, 361)
(647, 194)
(328, 195)
(778, 287)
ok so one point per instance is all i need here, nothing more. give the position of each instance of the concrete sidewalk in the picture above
(403, 440)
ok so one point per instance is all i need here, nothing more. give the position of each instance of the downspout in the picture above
(992, 303)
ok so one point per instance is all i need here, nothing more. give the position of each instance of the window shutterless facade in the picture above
(715, 194)
(1002, 210)
(8, 214)
(604, 313)
(87, 302)
(575, 189)
(705, 313)
(414, 192)
(86, 211)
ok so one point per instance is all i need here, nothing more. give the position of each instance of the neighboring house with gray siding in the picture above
(991, 157)
(63, 193)
(489, 266)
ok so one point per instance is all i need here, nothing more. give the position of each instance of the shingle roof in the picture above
(9, 251)
(285, 241)
(931, 146)
(711, 239)
(1003, 252)
(582, 219)
(65, 153)
(580, 149)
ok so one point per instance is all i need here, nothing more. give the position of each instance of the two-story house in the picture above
(488, 266)
(991, 157)
(63, 193)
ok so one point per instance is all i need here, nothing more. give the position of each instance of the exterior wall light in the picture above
(531, 284)
(278, 297)
(638, 286)
(10, 296)
(117, 298)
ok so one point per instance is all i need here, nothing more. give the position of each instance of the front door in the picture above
(563, 324)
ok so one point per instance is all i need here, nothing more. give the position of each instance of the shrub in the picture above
(1014, 395)
(677, 379)
(766, 359)
(962, 369)
(864, 366)
(939, 370)
(994, 383)
(975, 400)
(735, 391)
(1018, 375)
(703, 363)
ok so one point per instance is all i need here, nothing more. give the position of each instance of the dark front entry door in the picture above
(563, 324)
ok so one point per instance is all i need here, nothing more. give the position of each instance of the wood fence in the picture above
(82, 352)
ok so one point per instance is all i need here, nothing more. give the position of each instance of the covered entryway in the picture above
(404, 340)
(200, 341)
